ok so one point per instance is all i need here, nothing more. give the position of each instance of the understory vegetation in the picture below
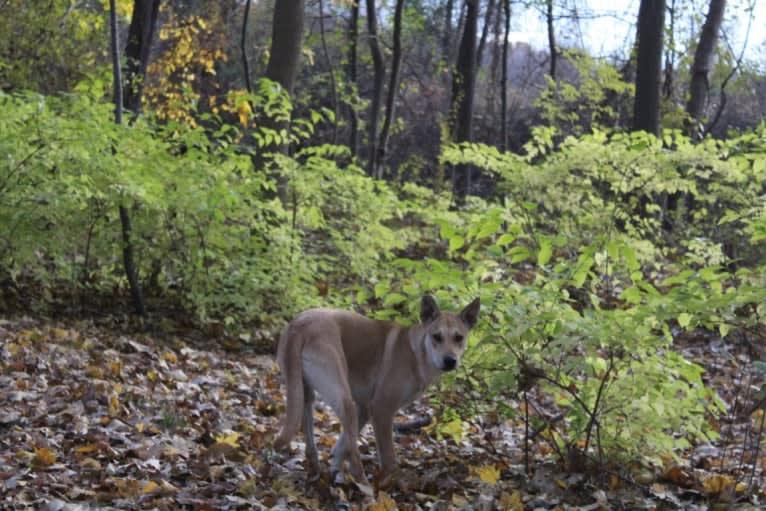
(593, 255)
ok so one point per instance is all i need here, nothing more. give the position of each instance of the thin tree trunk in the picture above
(670, 65)
(333, 86)
(243, 48)
(504, 79)
(646, 108)
(485, 31)
(286, 42)
(447, 31)
(551, 37)
(377, 88)
(353, 37)
(699, 87)
(143, 23)
(463, 85)
(127, 248)
(393, 89)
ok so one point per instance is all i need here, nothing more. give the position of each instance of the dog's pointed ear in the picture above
(470, 315)
(429, 311)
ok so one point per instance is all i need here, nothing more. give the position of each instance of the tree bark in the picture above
(670, 65)
(377, 87)
(127, 248)
(551, 37)
(646, 108)
(140, 33)
(333, 86)
(504, 79)
(286, 42)
(449, 6)
(699, 86)
(393, 89)
(463, 85)
(353, 38)
(485, 30)
(243, 48)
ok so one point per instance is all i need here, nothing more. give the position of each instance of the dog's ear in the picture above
(470, 315)
(429, 311)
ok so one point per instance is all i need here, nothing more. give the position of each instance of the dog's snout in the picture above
(449, 362)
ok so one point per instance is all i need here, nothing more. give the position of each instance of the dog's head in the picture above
(446, 332)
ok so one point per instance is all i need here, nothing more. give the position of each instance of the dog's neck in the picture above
(427, 373)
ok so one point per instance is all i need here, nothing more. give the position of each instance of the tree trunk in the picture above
(670, 65)
(377, 87)
(551, 37)
(333, 86)
(286, 42)
(463, 85)
(646, 108)
(447, 32)
(504, 79)
(140, 34)
(243, 48)
(485, 30)
(393, 89)
(127, 248)
(353, 37)
(703, 63)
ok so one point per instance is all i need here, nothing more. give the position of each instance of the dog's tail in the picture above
(290, 349)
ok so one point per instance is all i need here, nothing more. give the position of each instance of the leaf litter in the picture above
(93, 418)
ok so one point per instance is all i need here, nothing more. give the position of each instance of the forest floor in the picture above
(93, 416)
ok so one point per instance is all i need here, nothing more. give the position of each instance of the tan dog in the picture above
(364, 369)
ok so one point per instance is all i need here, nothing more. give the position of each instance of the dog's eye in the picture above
(438, 338)
(459, 338)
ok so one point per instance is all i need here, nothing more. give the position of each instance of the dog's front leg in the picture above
(383, 423)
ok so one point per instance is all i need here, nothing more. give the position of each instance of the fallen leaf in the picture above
(384, 503)
(44, 457)
(232, 439)
(511, 501)
(718, 483)
(489, 474)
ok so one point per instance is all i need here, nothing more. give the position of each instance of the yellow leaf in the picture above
(90, 464)
(86, 449)
(114, 404)
(59, 333)
(459, 501)
(94, 372)
(170, 357)
(718, 483)
(384, 503)
(453, 428)
(489, 474)
(140, 427)
(150, 487)
(244, 112)
(44, 457)
(115, 367)
(511, 501)
(152, 375)
(231, 439)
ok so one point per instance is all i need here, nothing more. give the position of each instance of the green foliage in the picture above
(599, 97)
(593, 256)
(60, 35)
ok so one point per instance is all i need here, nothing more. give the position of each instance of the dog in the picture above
(365, 370)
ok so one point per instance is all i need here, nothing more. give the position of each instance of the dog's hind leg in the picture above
(324, 366)
(340, 449)
(312, 457)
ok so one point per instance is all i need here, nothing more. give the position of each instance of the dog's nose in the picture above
(449, 362)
